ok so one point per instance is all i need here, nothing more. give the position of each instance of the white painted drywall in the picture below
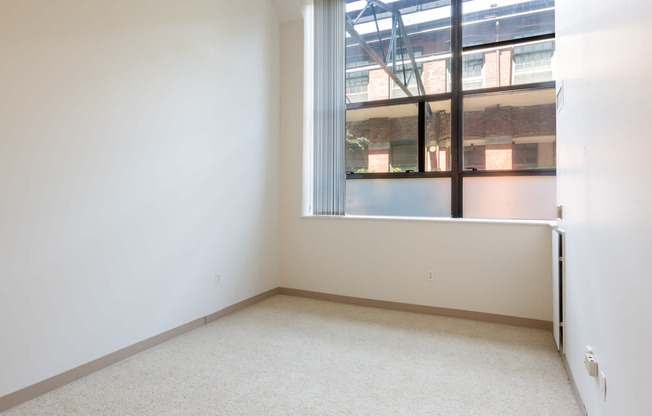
(288, 10)
(487, 267)
(138, 158)
(604, 178)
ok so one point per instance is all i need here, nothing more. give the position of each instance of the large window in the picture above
(450, 93)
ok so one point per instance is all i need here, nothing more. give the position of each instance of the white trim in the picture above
(434, 219)
(308, 107)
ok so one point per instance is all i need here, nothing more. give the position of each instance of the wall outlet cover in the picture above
(603, 384)
(591, 364)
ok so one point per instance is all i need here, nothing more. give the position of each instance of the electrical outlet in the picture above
(430, 275)
(591, 364)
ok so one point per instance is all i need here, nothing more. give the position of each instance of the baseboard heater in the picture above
(559, 287)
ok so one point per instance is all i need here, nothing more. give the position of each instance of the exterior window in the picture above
(474, 156)
(533, 62)
(516, 129)
(487, 22)
(472, 66)
(386, 135)
(404, 156)
(526, 155)
(448, 92)
(393, 36)
(357, 81)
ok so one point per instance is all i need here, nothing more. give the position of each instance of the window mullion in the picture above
(457, 162)
(421, 144)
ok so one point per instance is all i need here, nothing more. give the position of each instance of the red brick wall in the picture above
(501, 121)
(511, 121)
(378, 85)
(506, 67)
(434, 76)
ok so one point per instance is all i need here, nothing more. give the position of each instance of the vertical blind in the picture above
(329, 193)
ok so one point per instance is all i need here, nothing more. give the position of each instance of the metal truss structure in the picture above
(399, 41)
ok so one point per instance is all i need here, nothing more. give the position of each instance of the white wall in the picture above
(604, 185)
(138, 158)
(487, 267)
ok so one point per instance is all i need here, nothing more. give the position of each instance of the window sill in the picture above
(550, 223)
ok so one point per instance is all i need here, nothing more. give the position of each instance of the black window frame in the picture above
(456, 96)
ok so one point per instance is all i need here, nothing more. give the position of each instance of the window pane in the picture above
(382, 139)
(510, 130)
(513, 197)
(405, 197)
(473, 71)
(498, 20)
(522, 64)
(418, 59)
(438, 136)
(533, 62)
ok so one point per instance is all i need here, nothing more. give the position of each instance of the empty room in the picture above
(325, 207)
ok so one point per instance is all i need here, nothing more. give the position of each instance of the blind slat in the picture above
(329, 106)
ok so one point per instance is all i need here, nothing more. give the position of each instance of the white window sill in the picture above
(550, 223)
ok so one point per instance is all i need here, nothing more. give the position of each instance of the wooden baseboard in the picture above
(576, 391)
(430, 310)
(240, 305)
(30, 392)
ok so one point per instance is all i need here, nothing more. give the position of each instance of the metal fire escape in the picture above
(399, 46)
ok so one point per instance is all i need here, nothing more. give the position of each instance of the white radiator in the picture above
(558, 287)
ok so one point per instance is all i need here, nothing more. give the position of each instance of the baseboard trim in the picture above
(35, 390)
(576, 391)
(240, 305)
(430, 310)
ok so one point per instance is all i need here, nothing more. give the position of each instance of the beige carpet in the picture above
(294, 356)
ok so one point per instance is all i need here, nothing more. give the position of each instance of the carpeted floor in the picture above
(295, 356)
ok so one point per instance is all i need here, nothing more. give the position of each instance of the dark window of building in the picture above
(526, 156)
(474, 157)
(404, 156)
